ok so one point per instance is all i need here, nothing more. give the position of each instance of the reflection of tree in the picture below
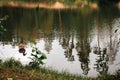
(48, 38)
(83, 43)
(69, 49)
(48, 44)
(111, 52)
(83, 50)
(15, 40)
(113, 43)
(101, 63)
(66, 40)
(67, 43)
(107, 52)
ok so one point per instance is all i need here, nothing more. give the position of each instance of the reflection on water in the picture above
(85, 43)
(102, 66)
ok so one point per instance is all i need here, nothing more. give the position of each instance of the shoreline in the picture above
(14, 70)
(56, 6)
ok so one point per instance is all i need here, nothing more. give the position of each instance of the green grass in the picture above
(15, 70)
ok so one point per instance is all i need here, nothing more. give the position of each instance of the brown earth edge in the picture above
(56, 5)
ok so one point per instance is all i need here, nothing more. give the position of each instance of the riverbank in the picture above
(14, 70)
(57, 5)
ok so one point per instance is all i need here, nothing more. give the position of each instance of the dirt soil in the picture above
(10, 74)
(56, 5)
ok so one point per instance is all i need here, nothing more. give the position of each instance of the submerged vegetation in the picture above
(14, 70)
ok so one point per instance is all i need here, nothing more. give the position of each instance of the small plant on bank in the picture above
(37, 58)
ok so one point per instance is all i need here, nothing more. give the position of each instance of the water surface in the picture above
(80, 42)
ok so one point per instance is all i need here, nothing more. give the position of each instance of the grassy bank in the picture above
(14, 70)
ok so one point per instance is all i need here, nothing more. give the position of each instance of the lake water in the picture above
(83, 42)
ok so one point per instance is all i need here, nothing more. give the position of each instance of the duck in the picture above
(22, 48)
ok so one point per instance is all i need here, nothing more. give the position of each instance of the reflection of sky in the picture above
(57, 60)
